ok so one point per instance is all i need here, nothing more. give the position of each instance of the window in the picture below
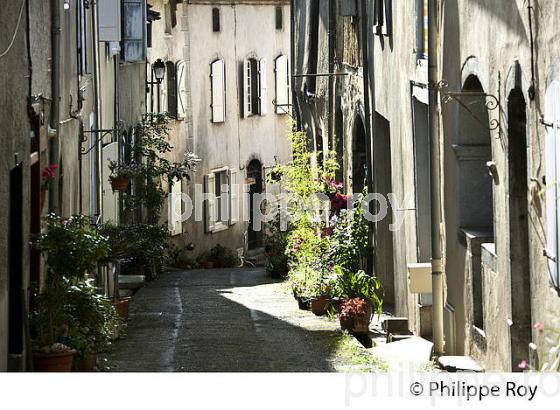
(109, 16)
(255, 94)
(222, 200)
(216, 20)
(422, 28)
(218, 91)
(279, 18)
(382, 17)
(282, 71)
(82, 39)
(552, 121)
(134, 30)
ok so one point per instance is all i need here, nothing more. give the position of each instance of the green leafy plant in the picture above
(150, 152)
(123, 170)
(92, 319)
(71, 247)
(359, 285)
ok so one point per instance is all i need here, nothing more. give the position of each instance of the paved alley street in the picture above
(235, 320)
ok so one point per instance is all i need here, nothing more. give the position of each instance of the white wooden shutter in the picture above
(263, 87)
(233, 197)
(110, 152)
(247, 88)
(109, 19)
(282, 85)
(210, 203)
(175, 208)
(134, 30)
(552, 149)
(181, 90)
(149, 88)
(218, 91)
(163, 95)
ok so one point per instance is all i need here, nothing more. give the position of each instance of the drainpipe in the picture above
(98, 122)
(434, 113)
(295, 102)
(370, 261)
(332, 39)
(54, 152)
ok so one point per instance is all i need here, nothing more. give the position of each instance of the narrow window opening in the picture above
(279, 18)
(216, 20)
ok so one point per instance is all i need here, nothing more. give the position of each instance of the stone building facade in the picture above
(227, 66)
(500, 168)
(396, 66)
(61, 79)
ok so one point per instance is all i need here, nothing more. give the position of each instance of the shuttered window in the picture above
(133, 30)
(110, 152)
(255, 87)
(163, 93)
(552, 120)
(171, 89)
(234, 189)
(210, 203)
(109, 16)
(383, 17)
(218, 91)
(181, 89)
(220, 201)
(282, 71)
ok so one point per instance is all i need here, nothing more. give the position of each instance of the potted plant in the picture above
(47, 180)
(362, 295)
(121, 175)
(71, 250)
(92, 322)
(324, 291)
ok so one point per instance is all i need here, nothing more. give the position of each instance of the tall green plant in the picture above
(149, 152)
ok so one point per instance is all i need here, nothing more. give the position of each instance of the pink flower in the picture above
(523, 365)
(539, 326)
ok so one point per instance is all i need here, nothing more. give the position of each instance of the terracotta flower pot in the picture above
(86, 364)
(120, 183)
(121, 306)
(346, 323)
(53, 362)
(360, 324)
(319, 305)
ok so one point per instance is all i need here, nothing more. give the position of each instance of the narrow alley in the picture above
(225, 320)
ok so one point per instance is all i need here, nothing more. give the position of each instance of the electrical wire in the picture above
(16, 30)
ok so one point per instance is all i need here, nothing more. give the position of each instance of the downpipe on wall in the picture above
(98, 122)
(435, 177)
(54, 150)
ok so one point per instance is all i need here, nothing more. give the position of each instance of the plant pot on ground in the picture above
(121, 306)
(319, 305)
(57, 358)
(355, 315)
(86, 363)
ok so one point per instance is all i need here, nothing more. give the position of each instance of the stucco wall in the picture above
(247, 29)
(14, 141)
(490, 54)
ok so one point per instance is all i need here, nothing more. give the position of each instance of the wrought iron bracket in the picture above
(492, 103)
(283, 107)
(99, 135)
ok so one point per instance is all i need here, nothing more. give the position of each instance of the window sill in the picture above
(220, 228)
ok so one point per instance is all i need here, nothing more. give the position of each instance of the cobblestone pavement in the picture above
(236, 320)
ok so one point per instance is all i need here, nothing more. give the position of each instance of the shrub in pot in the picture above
(71, 249)
(92, 323)
(355, 315)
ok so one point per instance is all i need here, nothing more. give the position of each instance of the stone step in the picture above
(132, 282)
(396, 325)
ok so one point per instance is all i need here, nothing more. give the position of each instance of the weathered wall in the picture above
(247, 29)
(490, 54)
(14, 141)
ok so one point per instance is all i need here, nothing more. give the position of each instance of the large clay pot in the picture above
(53, 362)
(86, 364)
(319, 305)
(121, 306)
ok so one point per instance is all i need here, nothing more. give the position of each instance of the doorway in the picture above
(359, 156)
(519, 266)
(255, 181)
